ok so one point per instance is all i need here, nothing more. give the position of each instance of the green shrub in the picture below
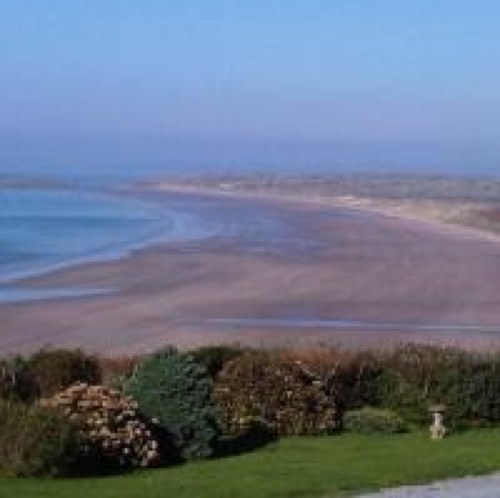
(35, 441)
(213, 358)
(175, 390)
(417, 376)
(373, 421)
(56, 369)
(474, 385)
(276, 389)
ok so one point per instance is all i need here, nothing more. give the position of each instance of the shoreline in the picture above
(157, 233)
(368, 205)
(125, 250)
(363, 269)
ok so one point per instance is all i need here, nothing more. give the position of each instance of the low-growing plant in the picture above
(276, 389)
(174, 389)
(36, 441)
(371, 420)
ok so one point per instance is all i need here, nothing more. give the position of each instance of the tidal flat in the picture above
(272, 259)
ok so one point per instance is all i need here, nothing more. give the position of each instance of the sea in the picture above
(46, 229)
(42, 229)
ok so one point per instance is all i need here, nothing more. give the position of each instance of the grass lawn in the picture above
(295, 467)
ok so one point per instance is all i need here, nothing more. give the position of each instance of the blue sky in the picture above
(373, 83)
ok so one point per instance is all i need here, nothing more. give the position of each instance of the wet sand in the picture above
(330, 264)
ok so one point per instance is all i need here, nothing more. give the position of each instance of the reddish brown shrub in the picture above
(115, 370)
(348, 378)
(276, 389)
(51, 370)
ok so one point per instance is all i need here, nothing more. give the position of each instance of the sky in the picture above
(121, 85)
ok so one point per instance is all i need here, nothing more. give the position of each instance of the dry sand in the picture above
(357, 265)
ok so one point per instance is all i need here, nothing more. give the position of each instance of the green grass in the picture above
(296, 467)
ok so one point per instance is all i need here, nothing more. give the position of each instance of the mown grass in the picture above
(295, 467)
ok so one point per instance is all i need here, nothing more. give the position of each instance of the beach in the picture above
(330, 274)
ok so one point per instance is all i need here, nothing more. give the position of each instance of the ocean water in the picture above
(46, 229)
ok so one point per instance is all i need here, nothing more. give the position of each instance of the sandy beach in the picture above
(336, 275)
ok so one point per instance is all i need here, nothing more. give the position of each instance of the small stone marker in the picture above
(437, 428)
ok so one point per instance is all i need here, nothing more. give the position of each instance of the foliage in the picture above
(35, 441)
(116, 370)
(413, 379)
(253, 435)
(113, 433)
(51, 370)
(371, 420)
(276, 389)
(213, 358)
(477, 385)
(350, 379)
(417, 376)
(175, 390)
(15, 383)
(407, 380)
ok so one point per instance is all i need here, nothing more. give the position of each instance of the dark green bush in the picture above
(276, 389)
(254, 435)
(370, 420)
(417, 376)
(477, 391)
(15, 382)
(36, 441)
(175, 390)
(52, 370)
